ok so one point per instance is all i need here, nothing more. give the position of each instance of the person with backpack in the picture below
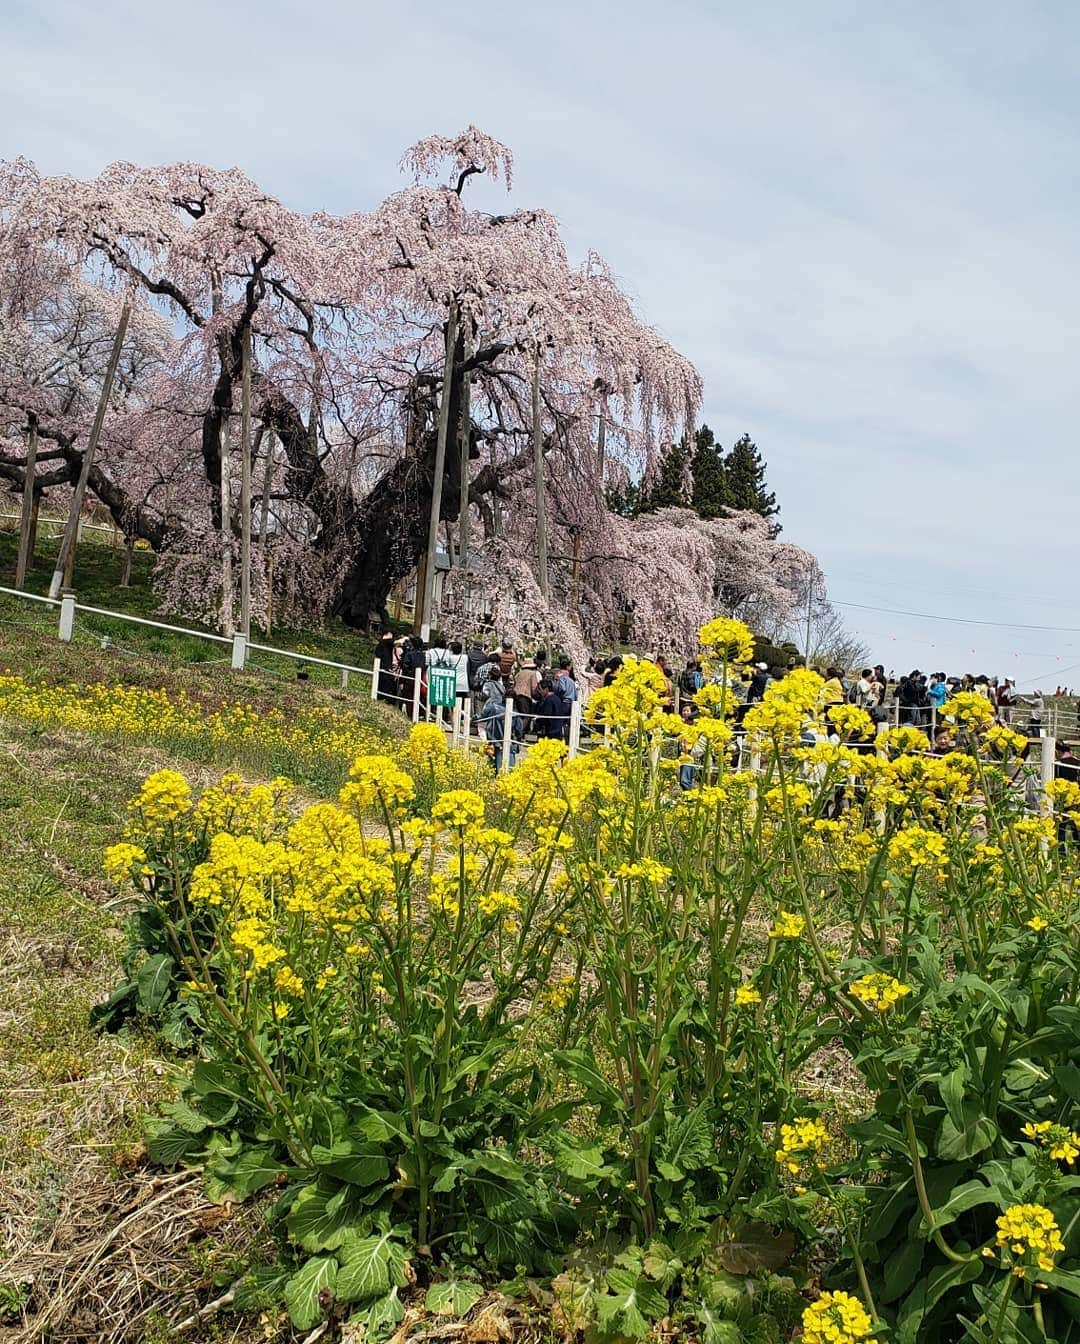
(526, 682)
(414, 657)
(477, 658)
(690, 681)
(492, 723)
(859, 691)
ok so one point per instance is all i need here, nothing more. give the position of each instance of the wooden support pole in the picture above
(245, 484)
(227, 626)
(538, 470)
(67, 542)
(26, 518)
(440, 469)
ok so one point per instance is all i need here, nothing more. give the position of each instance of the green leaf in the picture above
(168, 1144)
(688, 1145)
(209, 1079)
(582, 1069)
(452, 1297)
(581, 1162)
(381, 1316)
(951, 1088)
(370, 1267)
(117, 1008)
(630, 1305)
(749, 1249)
(1067, 1077)
(974, 1134)
(927, 1293)
(355, 1168)
(233, 1182)
(963, 1197)
(715, 1330)
(314, 1225)
(152, 983)
(887, 1204)
(303, 1289)
(661, 1263)
(901, 1269)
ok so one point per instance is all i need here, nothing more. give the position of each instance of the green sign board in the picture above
(442, 687)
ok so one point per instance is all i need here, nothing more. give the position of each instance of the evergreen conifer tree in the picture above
(744, 469)
(710, 495)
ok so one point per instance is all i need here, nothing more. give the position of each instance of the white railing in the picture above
(457, 724)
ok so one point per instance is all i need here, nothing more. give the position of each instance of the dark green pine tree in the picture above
(711, 496)
(670, 488)
(745, 472)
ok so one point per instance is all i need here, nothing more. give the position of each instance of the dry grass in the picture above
(95, 1247)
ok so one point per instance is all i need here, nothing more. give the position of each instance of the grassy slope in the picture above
(71, 1102)
(96, 583)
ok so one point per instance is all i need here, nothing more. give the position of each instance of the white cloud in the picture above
(859, 223)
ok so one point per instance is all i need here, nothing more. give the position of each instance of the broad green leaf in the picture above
(233, 1182)
(370, 1267)
(749, 1249)
(580, 1162)
(716, 1330)
(314, 1225)
(361, 1169)
(1067, 1076)
(974, 1135)
(208, 1078)
(661, 1263)
(928, 1292)
(452, 1297)
(630, 1305)
(186, 1118)
(303, 1289)
(963, 1197)
(168, 1144)
(383, 1314)
(887, 1204)
(582, 1069)
(153, 981)
(901, 1268)
(951, 1087)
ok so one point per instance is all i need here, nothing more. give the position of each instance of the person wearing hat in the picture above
(758, 682)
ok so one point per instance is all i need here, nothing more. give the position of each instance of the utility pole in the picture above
(538, 469)
(245, 484)
(809, 613)
(440, 468)
(71, 528)
(25, 556)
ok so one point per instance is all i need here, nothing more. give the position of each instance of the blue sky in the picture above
(859, 221)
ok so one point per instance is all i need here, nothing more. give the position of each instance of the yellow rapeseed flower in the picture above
(836, 1318)
(787, 925)
(879, 991)
(1029, 1232)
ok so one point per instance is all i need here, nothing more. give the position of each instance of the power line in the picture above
(956, 620)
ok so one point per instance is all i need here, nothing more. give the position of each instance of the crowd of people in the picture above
(541, 691)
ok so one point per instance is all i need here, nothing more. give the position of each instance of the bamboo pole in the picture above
(440, 468)
(245, 484)
(538, 469)
(67, 542)
(26, 517)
